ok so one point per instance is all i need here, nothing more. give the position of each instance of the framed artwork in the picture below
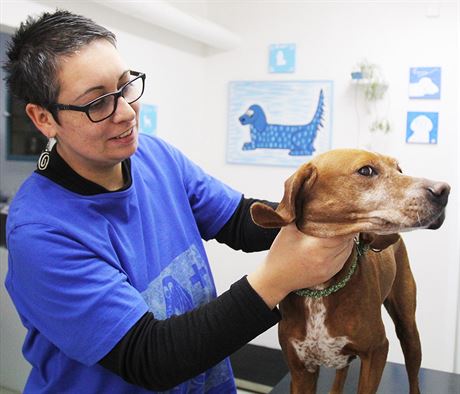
(425, 83)
(422, 128)
(148, 119)
(280, 123)
(282, 58)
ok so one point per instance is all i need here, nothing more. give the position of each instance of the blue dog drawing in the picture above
(298, 139)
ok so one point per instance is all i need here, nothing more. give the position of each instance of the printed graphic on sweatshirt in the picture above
(185, 283)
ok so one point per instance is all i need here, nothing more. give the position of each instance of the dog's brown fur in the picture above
(344, 192)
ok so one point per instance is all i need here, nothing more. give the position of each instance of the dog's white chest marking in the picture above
(318, 347)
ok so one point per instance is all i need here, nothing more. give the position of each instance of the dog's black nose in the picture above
(439, 193)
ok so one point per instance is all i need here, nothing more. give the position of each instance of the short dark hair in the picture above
(34, 51)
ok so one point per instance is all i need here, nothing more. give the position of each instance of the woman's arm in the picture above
(160, 354)
(241, 233)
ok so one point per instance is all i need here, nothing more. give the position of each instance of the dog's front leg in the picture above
(304, 382)
(372, 365)
(339, 381)
(253, 143)
(401, 304)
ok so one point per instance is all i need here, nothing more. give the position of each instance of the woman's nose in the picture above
(124, 111)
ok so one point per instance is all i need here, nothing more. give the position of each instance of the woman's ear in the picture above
(42, 119)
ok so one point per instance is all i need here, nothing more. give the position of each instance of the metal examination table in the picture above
(394, 381)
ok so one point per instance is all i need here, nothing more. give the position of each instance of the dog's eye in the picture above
(249, 112)
(367, 171)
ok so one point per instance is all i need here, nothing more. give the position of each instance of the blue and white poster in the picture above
(148, 119)
(281, 123)
(282, 58)
(422, 128)
(425, 83)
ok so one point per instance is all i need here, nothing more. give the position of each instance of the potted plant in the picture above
(369, 80)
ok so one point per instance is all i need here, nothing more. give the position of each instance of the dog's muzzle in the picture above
(438, 222)
(438, 194)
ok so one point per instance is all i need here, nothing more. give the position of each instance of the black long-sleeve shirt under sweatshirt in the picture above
(160, 354)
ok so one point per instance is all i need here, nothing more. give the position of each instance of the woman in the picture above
(107, 267)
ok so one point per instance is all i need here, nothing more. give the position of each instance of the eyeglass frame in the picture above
(117, 94)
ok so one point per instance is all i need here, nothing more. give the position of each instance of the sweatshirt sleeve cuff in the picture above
(255, 304)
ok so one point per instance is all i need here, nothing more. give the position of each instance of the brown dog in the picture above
(344, 192)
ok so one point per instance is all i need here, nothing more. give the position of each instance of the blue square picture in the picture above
(282, 58)
(425, 83)
(422, 128)
(148, 119)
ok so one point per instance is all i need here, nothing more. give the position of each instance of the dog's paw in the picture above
(303, 152)
(248, 146)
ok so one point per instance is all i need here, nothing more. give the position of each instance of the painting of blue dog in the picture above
(278, 123)
(298, 139)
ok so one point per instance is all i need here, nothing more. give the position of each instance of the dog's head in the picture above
(254, 116)
(348, 191)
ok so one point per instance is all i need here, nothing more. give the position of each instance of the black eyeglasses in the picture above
(104, 107)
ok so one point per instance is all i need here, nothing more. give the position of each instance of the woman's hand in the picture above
(296, 261)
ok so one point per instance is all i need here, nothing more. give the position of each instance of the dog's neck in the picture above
(342, 277)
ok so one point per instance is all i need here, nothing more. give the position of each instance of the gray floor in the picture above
(6, 391)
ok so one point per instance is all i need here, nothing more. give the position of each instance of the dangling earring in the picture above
(44, 158)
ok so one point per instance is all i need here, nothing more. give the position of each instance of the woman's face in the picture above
(90, 147)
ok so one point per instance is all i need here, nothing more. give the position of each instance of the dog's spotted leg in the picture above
(304, 152)
(249, 146)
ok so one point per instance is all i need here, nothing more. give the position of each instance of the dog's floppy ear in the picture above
(379, 242)
(266, 216)
(259, 119)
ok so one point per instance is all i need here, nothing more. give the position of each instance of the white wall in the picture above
(331, 37)
(189, 84)
(457, 335)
